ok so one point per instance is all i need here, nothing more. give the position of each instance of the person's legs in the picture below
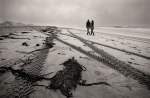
(92, 33)
(87, 31)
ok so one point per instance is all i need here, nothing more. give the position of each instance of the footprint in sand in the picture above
(130, 62)
(132, 58)
(61, 53)
(122, 43)
(84, 45)
(97, 73)
(2, 59)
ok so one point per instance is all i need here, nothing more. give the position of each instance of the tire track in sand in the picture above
(114, 63)
(21, 88)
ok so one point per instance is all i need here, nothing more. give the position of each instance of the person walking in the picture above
(88, 26)
(92, 27)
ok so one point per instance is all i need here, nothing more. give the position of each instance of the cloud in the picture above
(76, 12)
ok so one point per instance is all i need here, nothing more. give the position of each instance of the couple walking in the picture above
(90, 25)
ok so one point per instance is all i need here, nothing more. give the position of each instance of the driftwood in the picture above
(9, 36)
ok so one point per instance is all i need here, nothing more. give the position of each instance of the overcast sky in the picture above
(76, 12)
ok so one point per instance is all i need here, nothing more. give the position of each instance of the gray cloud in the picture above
(76, 12)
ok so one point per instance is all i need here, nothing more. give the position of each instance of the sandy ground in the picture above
(67, 45)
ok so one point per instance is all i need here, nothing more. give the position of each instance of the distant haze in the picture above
(76, 12)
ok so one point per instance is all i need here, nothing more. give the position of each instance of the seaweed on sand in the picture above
(67, 79)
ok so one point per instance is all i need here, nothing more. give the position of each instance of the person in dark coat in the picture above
(88, 26)
(92, 27)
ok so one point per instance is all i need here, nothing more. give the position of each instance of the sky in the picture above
(76, 12)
